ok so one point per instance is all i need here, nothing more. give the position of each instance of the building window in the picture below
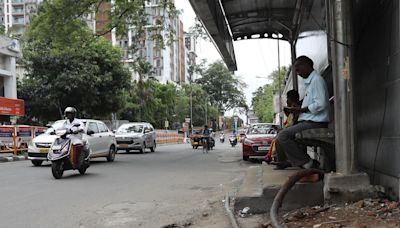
(18, 20)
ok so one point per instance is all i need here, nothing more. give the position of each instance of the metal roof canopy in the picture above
(228, 20)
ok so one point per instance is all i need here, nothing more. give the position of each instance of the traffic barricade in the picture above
(15, 139)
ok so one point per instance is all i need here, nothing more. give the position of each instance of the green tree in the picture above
(262, 101)
(122, 16)
(66, 65)
(225, 90)
(91, 80)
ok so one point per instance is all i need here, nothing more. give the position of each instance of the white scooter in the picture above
(63, 155)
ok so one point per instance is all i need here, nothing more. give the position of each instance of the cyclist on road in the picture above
(206, 133)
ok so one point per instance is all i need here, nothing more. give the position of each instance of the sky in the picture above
(255, 58)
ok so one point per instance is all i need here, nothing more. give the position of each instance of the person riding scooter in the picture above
(222, 137)
(76, 128)
(233, 140)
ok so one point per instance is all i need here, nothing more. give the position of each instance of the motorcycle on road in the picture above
(222, 138)
(64, 156)
(233, 140)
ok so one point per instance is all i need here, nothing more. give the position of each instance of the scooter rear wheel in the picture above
(57, 169)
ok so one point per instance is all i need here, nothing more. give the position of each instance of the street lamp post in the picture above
(206, 109)
(191, 105)
(280, 89)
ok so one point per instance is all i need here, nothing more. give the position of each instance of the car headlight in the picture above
(248, 141)
(31, 146)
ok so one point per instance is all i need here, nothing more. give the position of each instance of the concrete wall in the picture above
(377, 91)
(9, 51)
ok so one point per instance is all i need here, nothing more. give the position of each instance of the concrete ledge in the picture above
(340, 188)
(12, 158)
(251, 185)
(258, 191)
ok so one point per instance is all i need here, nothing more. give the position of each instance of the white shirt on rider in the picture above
(75, 138)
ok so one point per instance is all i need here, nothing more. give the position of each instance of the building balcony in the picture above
(18, 13)
(18, 20)
(17, 2)
(18, 23)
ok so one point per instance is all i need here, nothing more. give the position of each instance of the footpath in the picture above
(8, 157)
(251, 200)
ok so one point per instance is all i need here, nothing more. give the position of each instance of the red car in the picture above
(258, 140)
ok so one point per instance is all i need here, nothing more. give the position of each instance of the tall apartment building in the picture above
(190, 55)
(169, 63)
(15, 15)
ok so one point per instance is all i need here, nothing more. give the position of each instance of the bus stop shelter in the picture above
(363, 54)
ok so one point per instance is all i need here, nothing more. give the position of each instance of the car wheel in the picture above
(111, 154)
(153, 148)
(142, 150)
(37, 162)
(245, 158)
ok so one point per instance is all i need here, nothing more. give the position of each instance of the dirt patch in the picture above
(364, 213)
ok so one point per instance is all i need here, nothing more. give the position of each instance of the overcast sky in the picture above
(257, 57)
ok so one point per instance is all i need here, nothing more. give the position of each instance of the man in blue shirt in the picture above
(313, 113)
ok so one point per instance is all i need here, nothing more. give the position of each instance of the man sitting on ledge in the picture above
(313, 113)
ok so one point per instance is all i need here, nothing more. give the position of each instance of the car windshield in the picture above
(130, 129)
(262, 129)
(55, 126)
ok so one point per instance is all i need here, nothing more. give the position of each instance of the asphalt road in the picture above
(174, 185)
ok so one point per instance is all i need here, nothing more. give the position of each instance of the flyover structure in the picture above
(363, 53)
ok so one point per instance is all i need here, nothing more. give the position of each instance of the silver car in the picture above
(136, 136)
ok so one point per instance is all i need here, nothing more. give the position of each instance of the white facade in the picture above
(190, 55)
(9, 51)
(166, 61)
(15, 15)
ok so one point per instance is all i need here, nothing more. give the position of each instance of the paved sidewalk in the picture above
(9, 157)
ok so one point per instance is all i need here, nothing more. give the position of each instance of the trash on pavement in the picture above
(244, 212)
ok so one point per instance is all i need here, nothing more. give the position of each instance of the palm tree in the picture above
(145, 70)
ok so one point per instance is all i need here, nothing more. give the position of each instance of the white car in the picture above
(136, 136)
(100, 139)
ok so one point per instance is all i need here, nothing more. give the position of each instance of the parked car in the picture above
(100, 139)
(136, 136)
(258, 140)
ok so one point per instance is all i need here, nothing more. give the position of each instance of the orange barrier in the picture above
(15, 139)
(168, 137)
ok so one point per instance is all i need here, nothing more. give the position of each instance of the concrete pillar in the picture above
(342, 60)
(10, 82)
(347, 184)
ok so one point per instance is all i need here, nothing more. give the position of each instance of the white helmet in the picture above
(70, 110)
